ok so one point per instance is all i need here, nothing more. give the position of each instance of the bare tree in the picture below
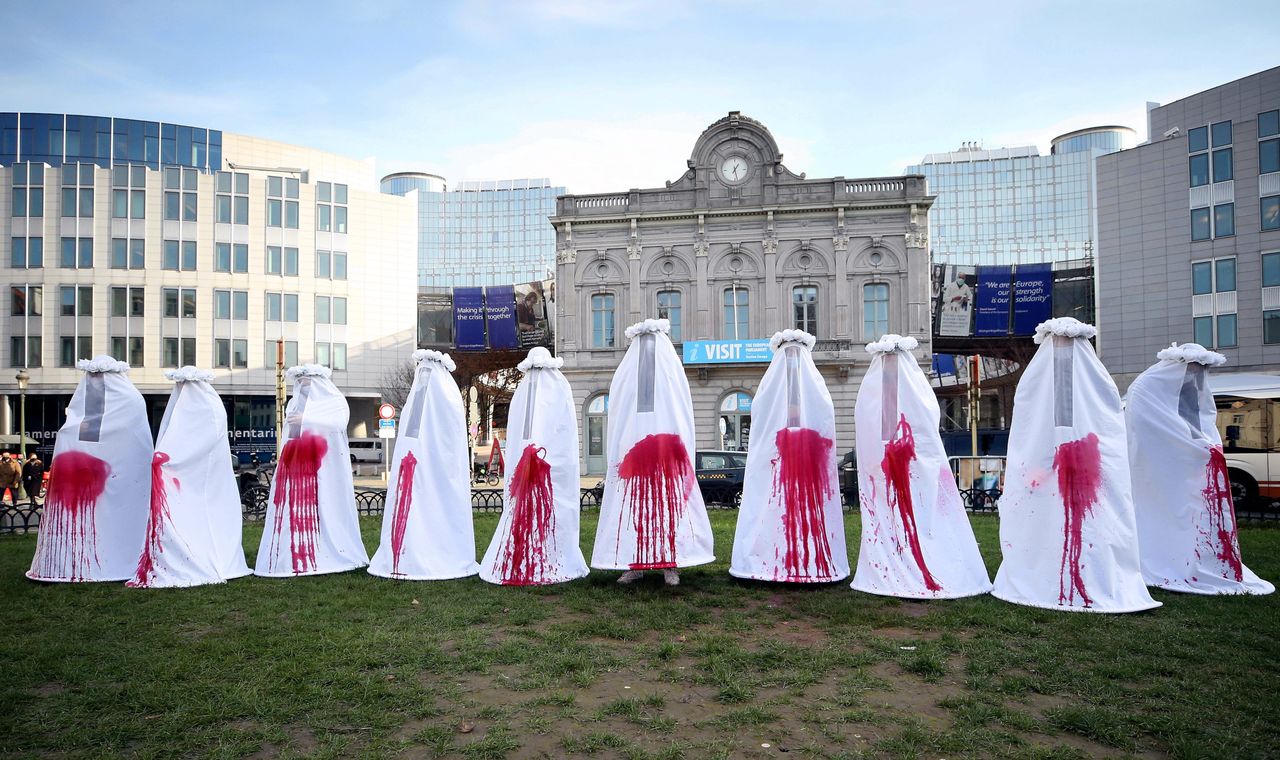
(396, 383)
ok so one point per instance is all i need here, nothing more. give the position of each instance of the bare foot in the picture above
(671, 577)
(631, 576)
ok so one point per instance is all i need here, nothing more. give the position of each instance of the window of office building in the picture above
(1211, 154)
(28, 190)
(290, 358)
(180, 255)
(331, 207)
(24, 351)
(77, 191)
(180, 194)
(231, 304)
(331, 310)
(1214, 315)
(737, 313)
(331, 265)
(230, 353)
(128, 302)
(1270, 279)
(282, 307)
(77, 253)
(1269, 142)
(179, 352)
(875, 310)
(128, 349)
(129, 191)
(282, 260)
(128, 253)
(231, 257)
(232, 199)
(804, 306)
(282, 202)
(27, 253)
(332, 355)
(75, 301)
(669, 308)
(72, 349)
(602, 318)
(26, 301)
(179, 302)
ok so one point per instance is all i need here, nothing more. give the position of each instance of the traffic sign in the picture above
(386, 412)
(382, 424)
(387, 432)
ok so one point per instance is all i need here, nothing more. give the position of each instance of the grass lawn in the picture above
(352, 665)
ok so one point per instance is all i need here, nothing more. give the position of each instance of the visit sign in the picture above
(727, 351)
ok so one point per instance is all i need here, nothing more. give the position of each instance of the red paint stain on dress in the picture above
(404, 501)
(68, 539)
(298, 492)
(656, 477)
(1222, 512)
(896, 466)
(526, 558)
(801, 484)
(1079, 467)
(153, 547)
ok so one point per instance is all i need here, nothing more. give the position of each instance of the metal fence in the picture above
(370, 502)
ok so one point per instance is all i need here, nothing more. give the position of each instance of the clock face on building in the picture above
(734, 169)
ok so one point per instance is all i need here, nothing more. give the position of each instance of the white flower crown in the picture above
(1192, 353)
(427, 355)
(792, 336)
(101, 364)
(540, 358)
(649, 326)
(1068, 326)
(308, 370)
(188, 373)
(891, 343)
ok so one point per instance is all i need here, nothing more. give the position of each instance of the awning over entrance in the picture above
(1245, 385)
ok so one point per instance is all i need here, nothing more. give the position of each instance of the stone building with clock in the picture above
(735, 249)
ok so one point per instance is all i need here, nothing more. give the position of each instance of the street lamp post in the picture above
(23, 378)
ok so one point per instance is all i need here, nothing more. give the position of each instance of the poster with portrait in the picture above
(957, 301)
(534, 315)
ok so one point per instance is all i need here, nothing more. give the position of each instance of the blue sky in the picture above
(604, 96)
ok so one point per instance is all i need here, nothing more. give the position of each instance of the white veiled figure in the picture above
(194, 530)
(95, 514)
(790, 524)
(537, 538)
(917, 542)
(427, 530)
(652, 516)
(1182, 493)
(311, 526)
(1067, 527)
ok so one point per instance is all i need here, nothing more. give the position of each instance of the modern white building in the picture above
(165, 245)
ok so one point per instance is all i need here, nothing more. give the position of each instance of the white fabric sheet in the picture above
(652, 516)
(1181, 493)
(427, 531)
(917, 541)
(311, 526)
(537, 538)
(1067, 526)
(194, 530)
(95, 513)
(790, 525)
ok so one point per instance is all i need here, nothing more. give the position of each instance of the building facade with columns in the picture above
(735, 249)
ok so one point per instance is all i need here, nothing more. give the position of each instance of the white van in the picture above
(366, 450)
(1249, 420)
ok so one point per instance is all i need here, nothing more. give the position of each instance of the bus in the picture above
(1249, 421)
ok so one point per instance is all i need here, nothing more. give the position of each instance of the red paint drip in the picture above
(404, 500)
(1079, 467)
(657, 477)
(896, 466)
(68, 531)
(1222, 512)
(298, 489)
(802, 482)
(525, 557)
(155, 524)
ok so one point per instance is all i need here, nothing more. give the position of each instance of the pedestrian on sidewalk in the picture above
(32, 475)
(10, 477)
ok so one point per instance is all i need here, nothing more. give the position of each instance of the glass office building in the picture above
(481, 233)
(52, 139)
(1015, 206)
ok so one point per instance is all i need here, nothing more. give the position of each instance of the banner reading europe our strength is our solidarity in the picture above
(1006, 300)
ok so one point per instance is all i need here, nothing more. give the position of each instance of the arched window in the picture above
(737, 310)
(875, 310)
(669, 307)
(602, 333)
(735, 421)
(597, 430)
(804, 306)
